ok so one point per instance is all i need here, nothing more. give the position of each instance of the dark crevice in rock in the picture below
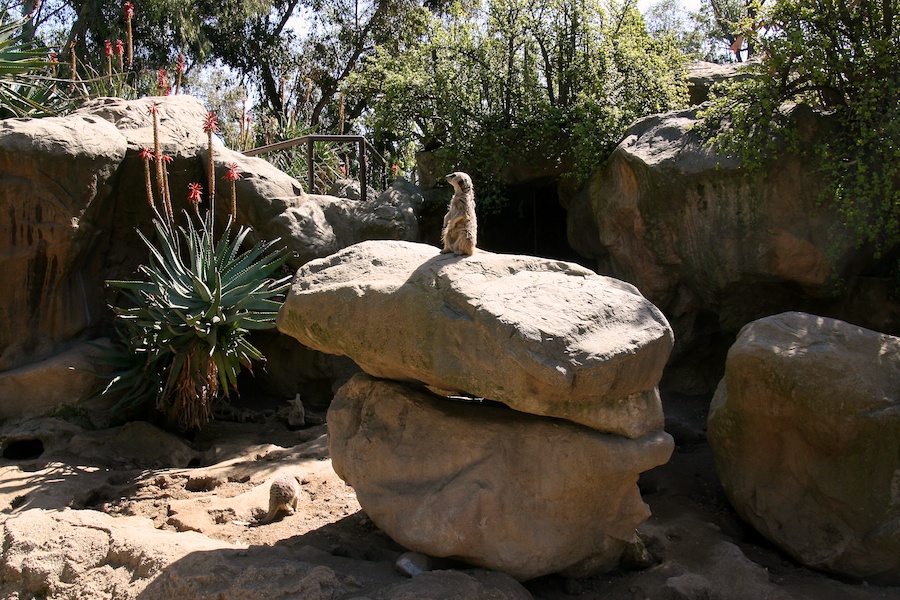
(27, 449)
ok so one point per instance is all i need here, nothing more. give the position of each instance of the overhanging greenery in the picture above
(841, 59)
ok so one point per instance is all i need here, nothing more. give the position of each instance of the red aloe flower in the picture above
(162, 84)
(72, 65)
(53, 57)
(211, 124)
(153, 108)
(120, 54)
(195, 194)
(129, 13)
(179, 68)
(147, 156)
(233, 173)
(107, 51)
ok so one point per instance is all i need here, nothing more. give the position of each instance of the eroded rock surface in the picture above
(55, 171)
(714, 246)
(805, 428)
(82, 553)
(73, 194)
(544, 337)
(518, 493)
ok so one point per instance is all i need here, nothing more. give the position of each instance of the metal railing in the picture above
(363, 146)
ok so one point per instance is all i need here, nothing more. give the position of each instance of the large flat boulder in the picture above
(497, 488)
(805, 429)
(542, 336)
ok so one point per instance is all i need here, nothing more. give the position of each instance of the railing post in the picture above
(311, 171)
(363, 195)
(309, 140)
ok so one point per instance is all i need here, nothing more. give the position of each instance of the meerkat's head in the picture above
(460, 181)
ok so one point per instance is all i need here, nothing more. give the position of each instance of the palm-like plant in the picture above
(185, 337)
(24, 86)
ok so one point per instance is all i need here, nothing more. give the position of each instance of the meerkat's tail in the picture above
(270, 516)
(465, 246)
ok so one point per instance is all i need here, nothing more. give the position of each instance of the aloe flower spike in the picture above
(147, 156)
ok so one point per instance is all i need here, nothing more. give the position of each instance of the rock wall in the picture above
(715, 247)
(73, 193)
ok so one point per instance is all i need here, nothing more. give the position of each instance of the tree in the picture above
(514, 80)
(670, 18)
(841, 60)
(726, 27)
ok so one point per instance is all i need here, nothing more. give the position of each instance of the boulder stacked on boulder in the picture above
(549, 486)
(805, 429)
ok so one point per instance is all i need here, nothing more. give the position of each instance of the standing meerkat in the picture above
(284, 495)
(460, 226)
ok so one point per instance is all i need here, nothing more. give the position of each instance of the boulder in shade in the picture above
(805, 430)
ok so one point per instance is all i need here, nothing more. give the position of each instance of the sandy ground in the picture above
(700, 549)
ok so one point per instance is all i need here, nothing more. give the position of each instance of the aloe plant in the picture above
(184, 339)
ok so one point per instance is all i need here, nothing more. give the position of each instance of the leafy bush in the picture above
(509, 82)
(839, 58)
(184, 340)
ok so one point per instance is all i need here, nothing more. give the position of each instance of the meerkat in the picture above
(284, 495)
(460, 226)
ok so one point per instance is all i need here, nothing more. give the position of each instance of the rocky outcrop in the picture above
(577, 358)
(544, 337)
(56, 172)
(39, 387)
(702, 76)
(56, 553)
(805, 429)
(493, 487)
(713, 246)
(74, 194)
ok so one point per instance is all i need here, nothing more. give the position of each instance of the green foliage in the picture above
(694, 34)
(184, 339)
(727, 27)
(841, 60)
(512, 82)
(25, 89)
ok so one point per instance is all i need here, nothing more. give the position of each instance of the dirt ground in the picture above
(700, 549)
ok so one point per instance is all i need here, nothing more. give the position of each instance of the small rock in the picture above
(636, 557)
